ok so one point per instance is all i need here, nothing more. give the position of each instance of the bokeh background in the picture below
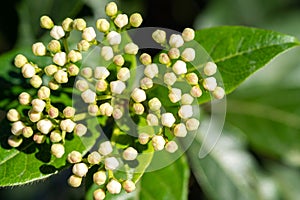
(261, 108)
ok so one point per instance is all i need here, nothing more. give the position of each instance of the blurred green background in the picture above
(264, 111)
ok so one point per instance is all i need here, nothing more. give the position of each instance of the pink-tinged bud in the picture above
(138, 108)
(192, 78)
(145, 59)
(106, 109)
(101, 85)
(174, 53)
(196, 91)
(39, 138)
(80, 130)
(69, 112)
(73, 70)
(93, 110)
(188, 34)
(82, 85)
(53, 112)
(128, 186)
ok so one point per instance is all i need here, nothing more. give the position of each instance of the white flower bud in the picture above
(36, 81)
(99, 177)
(28, 70)
(50, 70)
(121, 20)
(138, 95)
(152, 120)
(114, 187)
(58, 150)
(101, 85)
(164, 59)
(44, 92)
(87, 72)
(79, 24)
(174, 53)
(185, 111)
(159, 36)
(167, 119)
(192, 124)
(118, 60)
(101, 73)
(143, 138)
(69, 112)
(107, 53)
(131, 48)
(210, 83)
(106, 109)
(39, 49)
(170, 78)
(138, 108)
(174, 95)
(151, 70)
(158, 142)
(187, 99)
(130, 154)
(102, 25)
(94, 158)
(73, 70)
(176, 41)
(34, 116)
(39, 138)
(67, 24)
(53, 112)
(67, 125)
(111, 163)
(24, 98)
(99, 194)
(93, 110)
(74, 157)
(14, 141)
(123, 74)
(192, 78)
(17, 128)
(188, 34)
(210, 68)
(13, 115)
(111, 9)
(219, 93)
(80, 130)
(46, 22)
(117, 113)
(154, 104)
(74, 56)
(82, 85)
(188, 54)
(60, 58)
(57, 32)
(129, 186)
(80, 169)
(146, 83)
(89, 34)
(55, 136)
(171, 147)
(38, 105)
(74, 181)
(88, 96)
(53, 85)
(114, 38)
(20, 60)
(179, 67)
(27, 132)
(180, 130)
(44, 126)
(105, 148)
(61, 76)
(196, 91)
(83, 45)
(136, 19)
(117, 87)
(145, 59)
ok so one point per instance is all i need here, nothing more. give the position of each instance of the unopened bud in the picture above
(80, 130)
(158, 142)
(180, 130)
(24, 98)
(67, 125)
(39, 138)
(179, 67)
(187, 99)
(188, 54)
(111, 9)
(123, 74)
(74, 181)
(57, 32)
(146, 83)
(60, 58)
(87, 72)
(154, 104)
(159, 36)
(176, 41)
(27, 132)
(67, 24)
(152, 120)
(117, 113)
(174, 53)
(130, 154)
(111, 163)
(99, 194)
(101, 85)
(107, 53)
(185, 111)
(17, 128)
(114, 38)
(36, 81)
(99, 177)
(38, 105)
(138, 108)
(74, 157)
(89, 34)
(114, 187)
(151, 70)
(129, 186)
(192, 124)
(53, 112)
(73, 70)
(88, 96)
(188, 34)
(46, 22)
(102, 25)
(101, 73)
(93, 110)
(210, 83)
(61, 76)
(74, 56)
(192, 78)
(105, 148)
(196, 91)
(14, 141)
(20, 60)
(117, 87)
(79, 24)
(83, 45)
(80, 169)
(164, 59)
(39, 49)
(174, 95)
(53, 85)
(131, 48)
(143, 138)
(138, 95)
(28, 70)
(55, 136)
(50, 70)
(167, 119)
(171, 147)
(219, 93)
(44, 126)
(145, 59)
(58, 150)
(34, 116)
(210, 69)
(119, 60)
(136, 19)
(106, 109)
(69, 112)
(94, 158)
(121, 20)
(170, 78)
(82, 85)
(44, 92)
(13, 115)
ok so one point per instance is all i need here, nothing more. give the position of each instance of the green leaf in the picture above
(240, 51)
(228, 172)
(170, 182)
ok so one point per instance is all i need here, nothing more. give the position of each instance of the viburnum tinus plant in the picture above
(103, 106)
